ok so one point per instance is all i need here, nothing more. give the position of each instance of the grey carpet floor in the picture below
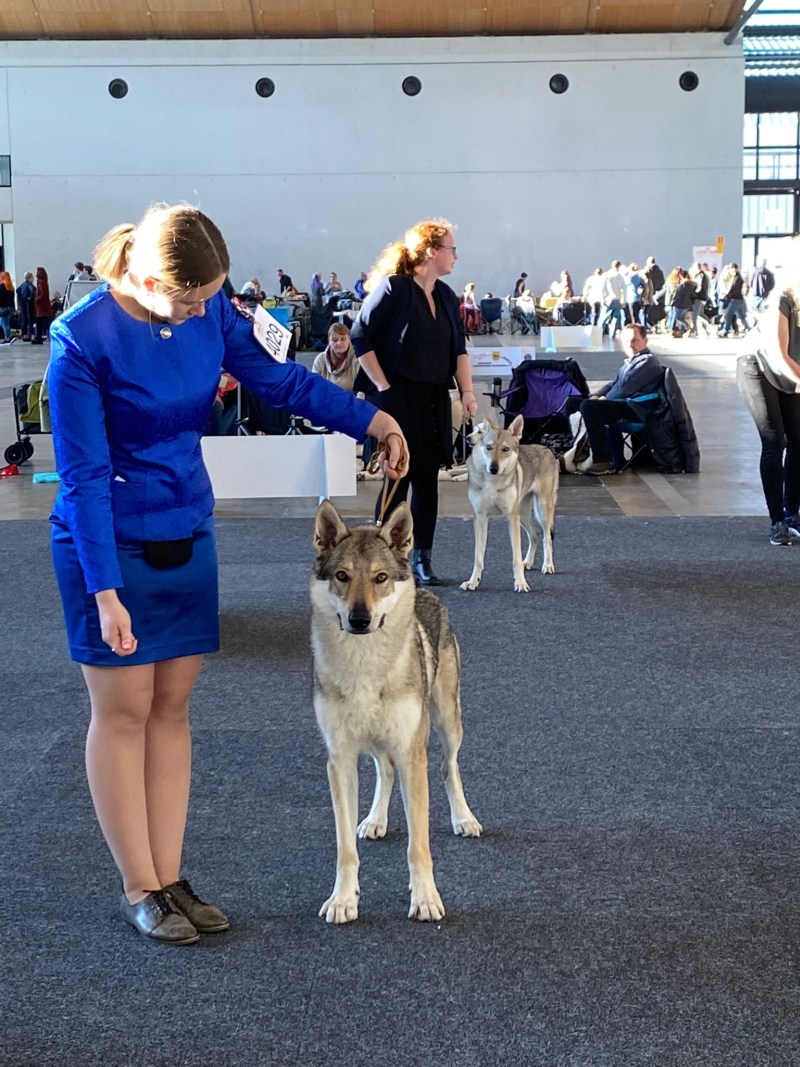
(631, 748)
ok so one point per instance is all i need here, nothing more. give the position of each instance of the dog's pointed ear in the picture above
(491, 423)
(329, 529)
(398, 530)
(517, 426)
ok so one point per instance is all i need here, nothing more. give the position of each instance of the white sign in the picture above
(271, 334)
(316, 465)
(497, 360)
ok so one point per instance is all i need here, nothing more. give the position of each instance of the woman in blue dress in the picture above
(134, 371)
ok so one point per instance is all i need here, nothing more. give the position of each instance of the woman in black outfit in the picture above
(409, 338)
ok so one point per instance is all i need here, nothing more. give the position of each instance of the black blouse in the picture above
(428, 339)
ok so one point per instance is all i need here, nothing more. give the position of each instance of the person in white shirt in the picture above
(613, 299)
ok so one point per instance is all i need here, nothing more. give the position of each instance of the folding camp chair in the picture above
(628, 440)
(544, 392)
(492, 314)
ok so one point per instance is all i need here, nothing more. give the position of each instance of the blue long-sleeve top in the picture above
(636, 377)
(129, 406)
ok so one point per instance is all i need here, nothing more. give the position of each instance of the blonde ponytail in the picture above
(111, 254)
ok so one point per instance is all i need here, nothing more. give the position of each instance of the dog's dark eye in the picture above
(342, 576)
(488, 448)
(506, 448)
(381, 578)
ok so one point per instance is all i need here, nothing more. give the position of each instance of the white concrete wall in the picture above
(339, 161)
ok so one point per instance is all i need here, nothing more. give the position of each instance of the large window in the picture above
(771, 208)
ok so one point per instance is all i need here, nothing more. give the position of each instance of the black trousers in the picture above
(598, 416)
(424, 486)
(777, 418)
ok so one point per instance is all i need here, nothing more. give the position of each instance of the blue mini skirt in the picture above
(174, 612)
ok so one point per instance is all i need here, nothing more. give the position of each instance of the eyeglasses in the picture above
(448, 248)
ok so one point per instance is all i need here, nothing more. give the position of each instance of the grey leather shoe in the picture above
(157, 917)
(203, 916)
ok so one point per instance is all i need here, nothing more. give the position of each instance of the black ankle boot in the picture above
(421, 567)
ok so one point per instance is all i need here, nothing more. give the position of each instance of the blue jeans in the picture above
(613, 311)
(677, 318)
(735, 309)
(5, 322)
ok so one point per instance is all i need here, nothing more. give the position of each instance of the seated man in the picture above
(640, 374)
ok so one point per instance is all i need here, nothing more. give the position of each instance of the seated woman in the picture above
(523, 313)
(338, 362)
(470, 309)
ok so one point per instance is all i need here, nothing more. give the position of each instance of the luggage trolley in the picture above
(22, 449)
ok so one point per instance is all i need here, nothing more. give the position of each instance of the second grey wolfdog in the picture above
(508, 478)
(386, 667)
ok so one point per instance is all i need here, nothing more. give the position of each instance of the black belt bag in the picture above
(164, 555)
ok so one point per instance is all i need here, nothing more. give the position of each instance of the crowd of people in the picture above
(27, 311)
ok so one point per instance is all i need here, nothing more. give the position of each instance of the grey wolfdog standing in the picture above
(508, 478)
(386, 666)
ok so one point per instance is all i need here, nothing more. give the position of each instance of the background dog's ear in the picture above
(517, 426)
(491, 423)
(329, 529)
(398, 530)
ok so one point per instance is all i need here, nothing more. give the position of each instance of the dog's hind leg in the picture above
(545, 510)
(481, 528)
(515, 533)
(525, 506)
(378, 819)
(342, 905)
(412, 769)
(446, 720)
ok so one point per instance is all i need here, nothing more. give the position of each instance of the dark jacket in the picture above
(6, 299)
(670, 432)
(383, 320)
(638, 376)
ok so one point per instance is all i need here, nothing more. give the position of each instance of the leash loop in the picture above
(374, 466)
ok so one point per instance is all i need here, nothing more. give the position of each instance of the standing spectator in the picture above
(769, 381)
(26, 299)
(700, 299)
(732, 293)
(613, 299)
(338, 362)
(593, 293)
(678, 294)
(410, 341)
(133, 527)
(42, 306)
(359, 286)
(78, 271)
(655, 280)
(6, 305)
(317, 292)
(520, 284)
(634, 291)
(470, 309)
(284, 281)
(762, 282)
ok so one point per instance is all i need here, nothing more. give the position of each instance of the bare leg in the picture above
(120, 781)
(378, 819)
(168, 763)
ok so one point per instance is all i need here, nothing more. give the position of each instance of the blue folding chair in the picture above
(625, 438)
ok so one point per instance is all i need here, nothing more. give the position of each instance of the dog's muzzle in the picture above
(493, 468)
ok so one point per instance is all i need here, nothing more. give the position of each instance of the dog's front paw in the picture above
(470, 585)
(521, 586)
(467, 826)
(426, 904)
(372, 829)
(340, 908)
(548, 568)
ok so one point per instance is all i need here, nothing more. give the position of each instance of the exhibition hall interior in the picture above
(613, 185)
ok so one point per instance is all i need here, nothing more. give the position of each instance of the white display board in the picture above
(488, 362)
(320, 465)
(556, 338)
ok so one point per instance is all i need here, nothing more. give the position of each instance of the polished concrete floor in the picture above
(706, 369)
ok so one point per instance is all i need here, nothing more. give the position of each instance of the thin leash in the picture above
(373, 467)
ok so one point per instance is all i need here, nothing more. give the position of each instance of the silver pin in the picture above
(165, 332)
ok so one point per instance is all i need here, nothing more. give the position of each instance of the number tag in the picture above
(271, 334)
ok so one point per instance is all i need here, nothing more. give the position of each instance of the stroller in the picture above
(545, 392)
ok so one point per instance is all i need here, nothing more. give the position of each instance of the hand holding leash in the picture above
(392, 459)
